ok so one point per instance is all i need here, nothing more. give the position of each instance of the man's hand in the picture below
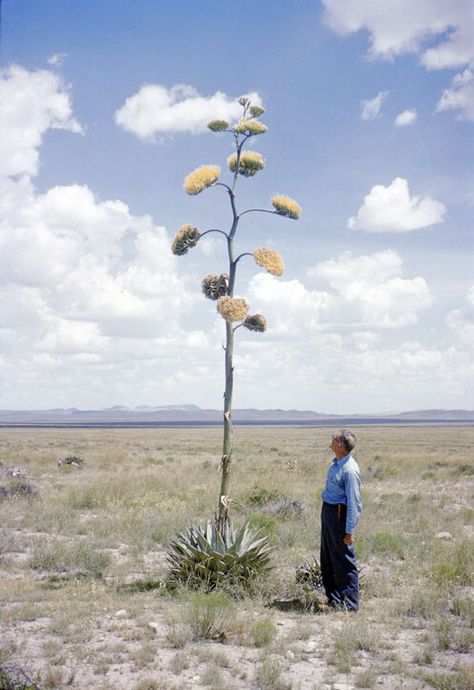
(348, 539)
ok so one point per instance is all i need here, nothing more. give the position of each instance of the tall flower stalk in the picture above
(221, 288)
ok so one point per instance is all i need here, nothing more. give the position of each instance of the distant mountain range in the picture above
(188, 414)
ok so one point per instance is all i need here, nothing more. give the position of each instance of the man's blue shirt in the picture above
(343, 486)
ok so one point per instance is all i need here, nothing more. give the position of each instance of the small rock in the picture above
(444, 535)
(153, 625)
(121, 614)
(342, 686)
(290, 656)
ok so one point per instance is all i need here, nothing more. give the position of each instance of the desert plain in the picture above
(84, 601)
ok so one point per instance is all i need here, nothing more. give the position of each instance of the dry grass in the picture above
(82, 557)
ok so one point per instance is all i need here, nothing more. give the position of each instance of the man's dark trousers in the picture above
(338, 561)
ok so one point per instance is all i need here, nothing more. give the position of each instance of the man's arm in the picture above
(353, 502)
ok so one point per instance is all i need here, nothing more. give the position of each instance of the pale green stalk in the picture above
(223, 511)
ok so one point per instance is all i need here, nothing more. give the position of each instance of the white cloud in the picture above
(30, 104)
(74, 246)
(156, 109)
(401, 26)
(70, 337)
(75, 270)
(407, 117)
(348, 373)
(57, 59)
(391, 209)
(90, 294)
(372, 290)
(289, 306)
(370, 109)
(461, 321)
(365, 292)
(460, 96)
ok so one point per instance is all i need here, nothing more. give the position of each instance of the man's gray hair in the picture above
(348, 438)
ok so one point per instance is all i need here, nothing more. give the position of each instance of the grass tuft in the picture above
(79, 559)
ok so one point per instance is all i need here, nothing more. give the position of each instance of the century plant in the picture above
(206, 557)
(220, 288)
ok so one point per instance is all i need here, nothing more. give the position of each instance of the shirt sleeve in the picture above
(354, 505)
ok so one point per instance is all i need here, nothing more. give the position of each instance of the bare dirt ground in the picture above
(83, 561)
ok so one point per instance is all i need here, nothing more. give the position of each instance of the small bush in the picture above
(7, 649)
(259, 496)
(463, 679)
(18, 488)
(210, 615)
(53, 678)
(12, 677)
(178, 635)
(366, 678)
(464, 608)
(387, 544)
(286, 508)
(268, 676)
(463, 470)
(212, 677)
(424, 658)
(462, 641)
(444, 634)
(72, 461)
(262, 632)
(82, 558)
(179, 662)
(351, 639)
(264, 524)
(457, 567)
(153, 684)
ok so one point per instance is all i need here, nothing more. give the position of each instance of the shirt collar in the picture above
(342, 460)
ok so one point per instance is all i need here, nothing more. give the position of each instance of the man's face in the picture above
(337, 445)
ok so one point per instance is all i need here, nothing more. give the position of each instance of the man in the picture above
(339, 516)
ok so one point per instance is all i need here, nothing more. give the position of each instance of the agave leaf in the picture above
(229, 535)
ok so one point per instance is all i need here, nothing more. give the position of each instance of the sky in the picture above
(370, 111)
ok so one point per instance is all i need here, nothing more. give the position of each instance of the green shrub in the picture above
(210, 615)
(457, 566)
(260, 495)
(82, 558)
(463, 679)
(388, 544)
(268, 676)
(264, 524)
(464, 608)
(262, 632)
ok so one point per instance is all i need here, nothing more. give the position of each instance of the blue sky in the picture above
(370, 117)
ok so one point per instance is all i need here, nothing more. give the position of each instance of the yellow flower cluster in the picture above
(250, 163)
(232, 308)
(218, 125)
(186, 238)
(256, 322)
(270, 260)
(246, 126)
(201, 178)
(286, 206)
